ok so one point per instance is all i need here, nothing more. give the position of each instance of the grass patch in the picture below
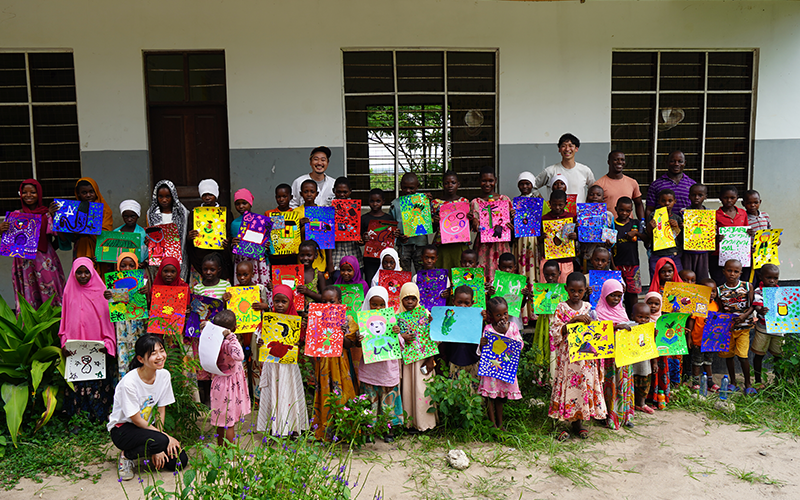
(752, 477)
(576, 469)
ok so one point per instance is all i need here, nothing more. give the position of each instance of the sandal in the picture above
(562, 436)
(750, 391)
(645, 409)
(583, 434)
(695, 387)
(713, 388)
(732, 389)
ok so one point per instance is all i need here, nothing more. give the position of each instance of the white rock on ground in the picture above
(457, 459)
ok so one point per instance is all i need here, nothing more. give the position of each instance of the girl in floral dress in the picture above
(577, 387)
(488, 253)
(230, 399)
(618, 381)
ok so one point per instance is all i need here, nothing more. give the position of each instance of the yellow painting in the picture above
(686, 298)
(241, 303)
(765, 247)
(662, 233)
(285, 239)
(280, 334)
(592, 341)
(551, 229)
(699, 230)
(210, 222)
(638, 344)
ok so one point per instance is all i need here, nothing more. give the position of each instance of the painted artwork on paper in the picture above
(635, 345)
(415, 210)
(500, 358)
(285, 238)
(547, 296)
(592, 341)
(663, 237)
(571, 206)
(210, 223)
(110, 244)
(453, 222)
(456, 324)
(347, 219)
(591, 221)
(201, 308)
(431, 284)
(765, 247)
(510, 286)
(527, 216)
(380, 343)
(78, 217)
(22, 238)
(717, 332)
(417, 323)
(609, 236)
(380, 235)
(783, 309)
(474, 278)
(136, 305)
(493, 218)
(85, 361)
(291, 276)
(393, 281)
(280, 334)
(253, 236)
(353, 298)
(735, 244)
(162, 241)
(686, 298)
(168, 309)
(320, 227)
(551, 230)
(671, 334)
(241, 303)
(596, 280)
(699, 230)
(325, 332)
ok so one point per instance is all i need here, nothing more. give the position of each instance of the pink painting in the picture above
(494, 217)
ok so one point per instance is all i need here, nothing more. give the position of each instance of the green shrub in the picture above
(181, 419)
(353, 422)
(455, 399)
(788, 366)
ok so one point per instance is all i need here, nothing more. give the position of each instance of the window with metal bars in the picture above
(421, 111)
(185, 77)
(698, 102)
(38, 125)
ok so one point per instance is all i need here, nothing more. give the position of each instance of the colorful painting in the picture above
(136, 305)
(241, 303)
(765, 247)
(210, 223)
(699, 230)
(474, 278)
(671, 334)
(453, 222)
(551, 229)
(717, 332)
(527, 216)
(348, 220)
(592, 341)
(609, 236)
(635, 345)
(783, 309)
(291, 276)
(380, 343)
(571, 206)
(280, 334)
(663, 237)
(596, 280)
(285, 237)
(201, 308)
(417, 323)
(686, 298)
(456, 324)
(320, 227)
(380, 235)
(415, 210)
(110, 244)
(253, 233)
(500, 358)
(510, 286)
(325, 332)
(22, 238)
(78, 217)
(591, 221)
(393, 281)
(163, 241)
(168, 309)
(353, 298)
(547, 296)
(431, 284)
(85, 360)
(493, 218)
(735, 244)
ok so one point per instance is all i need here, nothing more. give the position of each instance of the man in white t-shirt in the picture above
(578, 175)
(320, 156)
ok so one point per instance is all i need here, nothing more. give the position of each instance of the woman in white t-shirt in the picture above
(142, 393)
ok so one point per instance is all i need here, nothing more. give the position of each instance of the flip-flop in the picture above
(750, 391)
(583, 434)
(713, 388)
(562, 436)
(645, 409)
(732, 389)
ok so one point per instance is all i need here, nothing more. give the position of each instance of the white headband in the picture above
(209, 186)
(131, 205)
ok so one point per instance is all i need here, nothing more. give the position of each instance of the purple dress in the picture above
(39, 279)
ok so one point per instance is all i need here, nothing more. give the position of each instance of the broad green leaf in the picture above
(34, 331)
(14, 333)
(50, 397)
(26, 313)
(50, 352)
(12, 371)
(11, 357)
(62, 369)
(37, 372)
(16, 399)
(6, 312)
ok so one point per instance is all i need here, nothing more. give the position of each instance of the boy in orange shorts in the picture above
(736, 297)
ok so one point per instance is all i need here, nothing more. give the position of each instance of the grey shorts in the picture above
(701, 358)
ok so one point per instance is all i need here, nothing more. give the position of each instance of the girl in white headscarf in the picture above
(525, 248)
(166, 208)
(390, 261)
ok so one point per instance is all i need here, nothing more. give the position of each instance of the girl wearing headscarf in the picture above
(526, 249)
(134, 211)
(282, 410)
(390, 261)
(128, 331)
(660, 366)
(618, 384)
(449, 255)
(166, 208)
(559, 183)
(664, 272)
(85, 316)
(208, 190)
(243, 202)
(350, 273)
(415, 381)
(83, 245)
(168, 273)
(41, 278)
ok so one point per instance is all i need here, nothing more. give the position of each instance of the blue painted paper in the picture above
(22, 238)
(591, 221)
(321, 228)
(456, 324)
(717, 332)
(201, 308)
(596, 280)
(500, 358)
(528, 216)
(431, 284)
(78, 217)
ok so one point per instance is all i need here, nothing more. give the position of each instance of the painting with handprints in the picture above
(21, 240)
(454, 223)
(417, 322)
(783, 309)
(717, 332)
(201, 308)
(393, 281)
(347, 219)
(634, 345)
(510, 286)
(86, 361)
(699, 230)
(500, 358)
(292, 276)
(253, 236)
(592, 341)
(415, 211)
(320, 226)
(168, 309)
(671, 334)
(380, 343)
(765, 247)
(380, 235)
(456, 324)
(324, 334)
(210, 224)
(527, 216)
(493, 219)
(551, 230)
(78, 217)
(473, 277)
(162, 241)
(136, 305)
(285, 238)
(547, 296)
(663, 237)
(735, 244)
(432, 283)
(591, 220)
(280, 334)
(241, 303)
(686, 298)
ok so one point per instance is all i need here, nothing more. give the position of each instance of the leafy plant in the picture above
(181, 419)
(31, 362)
(788, 366)
(353, 422)
(456, 401)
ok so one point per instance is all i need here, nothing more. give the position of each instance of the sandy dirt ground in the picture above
(674, 454)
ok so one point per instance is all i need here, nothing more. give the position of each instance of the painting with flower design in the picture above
(168, 309)
(210, 223)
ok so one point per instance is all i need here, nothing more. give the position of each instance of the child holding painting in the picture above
(313, 279)
(488, 253)
(758, 221)
(736, 296)
(642, 371)
(243, 202)
(131, 211)
(415, 380)
(626, 252)
(376, 212)
(245, 276)
(166, 208)
(129, 330)
(83, 245)
(390, 261)
(558, 202)
(409, 247)
(595, 194)
(541, 335)
(666, 198)
(460, 356)
(618, 386)
(696, 261)
(526, 250)
(728, 215)
(662, 366)
(342, 191)
(765, 341)
(323, 261)
(430, 256)
(208, 189)
(449, 254)
(283, 195)
(702, 361)
(508, 264)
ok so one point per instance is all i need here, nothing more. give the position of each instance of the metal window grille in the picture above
(422, 111)
(38, 125)
(185, 77)
(699, 102)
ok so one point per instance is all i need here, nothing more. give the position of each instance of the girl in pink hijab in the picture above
(85, 316)
(618, 385)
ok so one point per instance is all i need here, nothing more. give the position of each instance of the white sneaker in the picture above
(125, 468)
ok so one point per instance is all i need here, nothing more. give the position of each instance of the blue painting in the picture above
(320, 227)
(596, 280)
(527, 216)
(591, 221)
(78, 217)
(717, 332)
(456, 324)
(500, 358)
(431, 284)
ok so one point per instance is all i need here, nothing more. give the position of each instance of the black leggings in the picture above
(137, 443)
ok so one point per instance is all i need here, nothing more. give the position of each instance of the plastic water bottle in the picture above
(661, 400)
(723, 390)
(704, 385)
